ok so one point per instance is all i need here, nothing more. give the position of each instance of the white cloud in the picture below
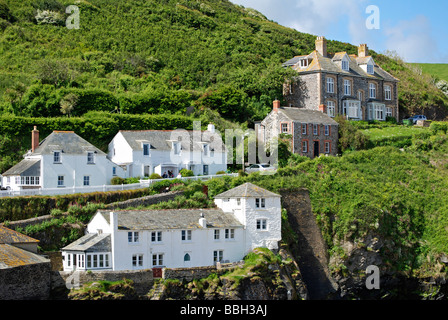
(413, 40)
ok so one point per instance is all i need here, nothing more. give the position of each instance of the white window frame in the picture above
(216, 234)
(389, 112)
(90, 157)
(305, 146)
(157, 259)
(61, 181)
(146, 149)
(347, 87)
(262, 224)
(260, 203)
(327, 147)
(372, 91)
(57, 157)
(156, 236)
(186, 235)
(86, 182)
(387, 92)
(352, 109)
(330, 85)
(229, 234)
(315, 129)
(133, 237)
(177, 148)
(370, 69)
(331, 109)
(285, 128)
(345, 65)
(304, 128)
(327, 130)
(218, 255)
(137, 260)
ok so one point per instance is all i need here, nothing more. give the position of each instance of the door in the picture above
(157, 272)
(316, 149)
(205, 171)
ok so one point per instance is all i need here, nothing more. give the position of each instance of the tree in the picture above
(68, 103)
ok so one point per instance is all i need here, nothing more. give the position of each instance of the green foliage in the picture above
(155, 176)
(350, 138)
(186, 173)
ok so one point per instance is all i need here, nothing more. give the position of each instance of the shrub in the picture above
(155, 176)
(186, 173)
(117, 181)
(221, 172)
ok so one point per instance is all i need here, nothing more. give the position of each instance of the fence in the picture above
(89, 189)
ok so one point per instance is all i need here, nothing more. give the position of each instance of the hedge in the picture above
(20, 208)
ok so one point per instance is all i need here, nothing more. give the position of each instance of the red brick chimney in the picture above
(323, 108)
(276, 105)
(34, 139)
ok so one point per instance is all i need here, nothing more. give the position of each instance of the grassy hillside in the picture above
(157, 56)
(437, 70)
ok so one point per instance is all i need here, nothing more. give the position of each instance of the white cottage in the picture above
(161, 151)
(63, 159)
(246, 217)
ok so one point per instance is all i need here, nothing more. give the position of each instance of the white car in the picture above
(417, 117)
(263, 168)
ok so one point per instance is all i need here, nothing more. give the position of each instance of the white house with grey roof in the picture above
(145, 152)
(245, 218)
(62, 159)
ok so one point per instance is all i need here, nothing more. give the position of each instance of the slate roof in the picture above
(247, 190)
(161, 140)
(92, 242)
(26, 167)
(8, 236)
(11, 256)
(172, 219)
(66, 141)
(328, 64)
(307, 116)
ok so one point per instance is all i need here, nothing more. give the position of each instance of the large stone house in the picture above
(312, 132)
(245, 218)
(144, 152)
(342, 84)
(62, 159)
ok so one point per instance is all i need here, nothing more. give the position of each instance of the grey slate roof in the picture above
(172, 219)
(307, 116)
(247, 190)
(161, 140)
(92, 242)
(11, 256)
(67, 142)
(328, 64)
(26, 167)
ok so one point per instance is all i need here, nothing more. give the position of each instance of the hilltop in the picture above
(154, 56)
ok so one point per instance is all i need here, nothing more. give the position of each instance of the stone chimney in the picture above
(34, 139)
(321, 46)
(276, 105)
(363, 51)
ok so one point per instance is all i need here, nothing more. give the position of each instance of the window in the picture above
(56, 157)
(176, 148)
(260, 203)
(327, 147)
(218, 255)
(352, 108)
(229, 234)
(327, 130)
(187, 257)
(114, 171)
(387, 93)
(261, 224)
(137, 260)
(216, 234)
(379, 112)
(345, 65)
(206, 148)
(157, 260)
(90, 157)
(372, 91)
(156, 236)
(60, 181)
(186, 235)
(331, 109)
(304, 128)
(304, 146)
(238, 202)
(303, 63)
(133, 236)
(205, 170)
(388, 112)
(315, 129)
(97, 260)
(370, 69)
(360, 95)
(330, 85)
(86, 181)
(347, 87)
(285, 128)
(146, 149)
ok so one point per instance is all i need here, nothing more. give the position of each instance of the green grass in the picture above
(437, 70)
(393, 133)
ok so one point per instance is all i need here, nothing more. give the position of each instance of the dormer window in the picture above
(370, 69)
(146, 149)
(345, 65)
(90, 157)
(303, 63)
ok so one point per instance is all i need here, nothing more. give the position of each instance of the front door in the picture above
(157, 272)
(316, 149)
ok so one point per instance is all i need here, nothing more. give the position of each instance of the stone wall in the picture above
(143, 279)
(145, 201)
(198, 272)
(29, 282)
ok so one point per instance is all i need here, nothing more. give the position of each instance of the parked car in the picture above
(415, 118)
(262, 168)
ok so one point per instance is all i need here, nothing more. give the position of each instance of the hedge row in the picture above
(20, 208)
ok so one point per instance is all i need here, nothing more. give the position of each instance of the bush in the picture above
(155, 176)
(117, 181)
(186, 173)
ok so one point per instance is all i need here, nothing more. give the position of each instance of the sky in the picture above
(415, 30)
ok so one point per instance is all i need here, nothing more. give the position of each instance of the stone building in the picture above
(342, 84)
(312, 132)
